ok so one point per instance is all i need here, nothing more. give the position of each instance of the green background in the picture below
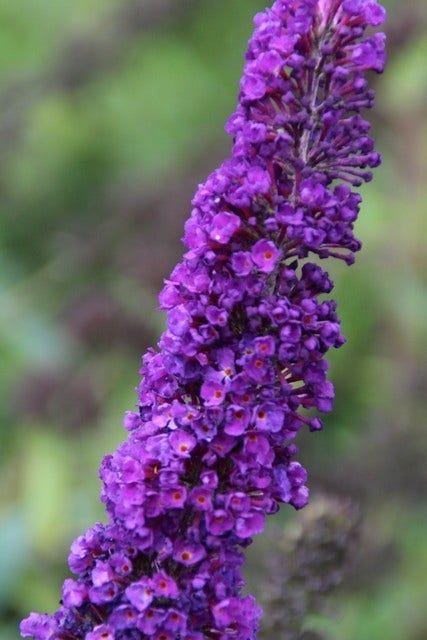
(111, 112)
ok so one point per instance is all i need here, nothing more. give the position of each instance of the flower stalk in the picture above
(242, 363)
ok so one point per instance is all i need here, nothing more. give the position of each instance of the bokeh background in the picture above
(111, 112)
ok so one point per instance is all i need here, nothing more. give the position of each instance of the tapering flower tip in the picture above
(303, 86)
(302, 94)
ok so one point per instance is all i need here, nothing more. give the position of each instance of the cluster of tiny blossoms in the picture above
(241, 363)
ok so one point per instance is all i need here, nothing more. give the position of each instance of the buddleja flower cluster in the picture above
(242, 362)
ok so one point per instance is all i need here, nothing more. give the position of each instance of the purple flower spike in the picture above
(209, 453)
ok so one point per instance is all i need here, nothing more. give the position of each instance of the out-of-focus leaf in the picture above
(46, 483)
(15, 550)
(405, 84)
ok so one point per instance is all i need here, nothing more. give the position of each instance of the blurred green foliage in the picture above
(110, 114)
